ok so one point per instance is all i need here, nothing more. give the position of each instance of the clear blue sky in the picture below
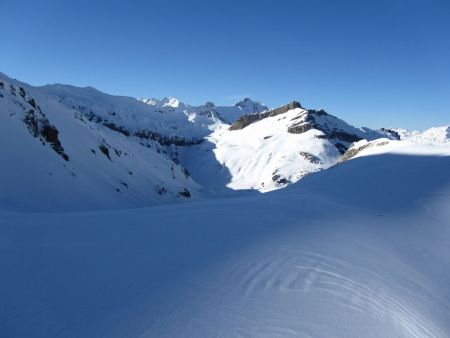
(373, 63)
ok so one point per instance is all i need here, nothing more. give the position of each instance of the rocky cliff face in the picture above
(337, 131)
(33, 117)
(246, 120)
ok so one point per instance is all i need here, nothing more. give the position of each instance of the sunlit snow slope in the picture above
(358, 250)
(69, 148)
(269, 150)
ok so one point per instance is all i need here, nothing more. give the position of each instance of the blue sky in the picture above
(372, 63)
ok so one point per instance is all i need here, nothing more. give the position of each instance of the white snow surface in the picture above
(140, 171)
(158, 149)
(358, 250)
(34, 177)
(264, 156)
(436, 135)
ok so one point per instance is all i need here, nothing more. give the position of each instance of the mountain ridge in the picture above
(119, 151)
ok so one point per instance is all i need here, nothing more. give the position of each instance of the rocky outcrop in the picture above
(392, 133)
(165, 140)
(309, 122)
(356, 148)
(114, 127)
(105, 150)
(310, 157)
(39, 125)
(50, 134)
(299, 128)
(246, 120)
(185, 193)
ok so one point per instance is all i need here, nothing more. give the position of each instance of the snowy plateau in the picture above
(125, 217)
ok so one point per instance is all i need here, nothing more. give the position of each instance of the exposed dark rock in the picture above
(299, 128)
(319, 112)
(310, 157)
(32, 103)
(32, 122)
(185, 193)
(2, 85)
(392, 133)
(246, 120)
(119, 129)
(161, 190)
(337, 136)
(343, 136)
(279, 180)
(185, 172)
(40, 127)
(91, 116)
(353, 151)
(50, 134)
(22, 92)
(164, 140)
(340, 147)
(105, 150)
(118, 152)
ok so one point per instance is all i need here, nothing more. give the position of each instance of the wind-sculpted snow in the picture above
(358, 250)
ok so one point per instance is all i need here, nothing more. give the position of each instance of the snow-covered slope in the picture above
(113, 151)
(62, 148)
(108, 151)
(269, 150)
(436, 135)
(359, 250)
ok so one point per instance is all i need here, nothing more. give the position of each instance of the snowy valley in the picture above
(119, 152)
(122, 217)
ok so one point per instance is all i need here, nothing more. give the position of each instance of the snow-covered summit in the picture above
(271, 149)
(207, 150)
(436, 135)
(171, 102)
(213, 113)
(247, 105)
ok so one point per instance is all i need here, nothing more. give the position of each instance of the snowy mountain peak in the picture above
(248, 105)
(209, 104)
(436, 135)
(150, 102)
(167, 102)
(171, 102)
(151, 151)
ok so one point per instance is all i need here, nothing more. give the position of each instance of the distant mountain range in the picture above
(70, 148)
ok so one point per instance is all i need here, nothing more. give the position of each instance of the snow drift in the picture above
(358, 250)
